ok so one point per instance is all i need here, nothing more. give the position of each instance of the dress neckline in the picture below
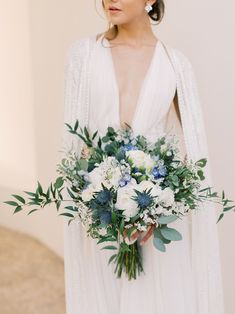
(142, 89)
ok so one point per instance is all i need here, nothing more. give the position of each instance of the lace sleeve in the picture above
(72, 83)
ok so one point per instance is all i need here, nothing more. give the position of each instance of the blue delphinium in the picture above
(128, 147)
(159, 172)
(125, 179)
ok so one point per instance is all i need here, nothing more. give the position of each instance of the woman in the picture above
(127, 75)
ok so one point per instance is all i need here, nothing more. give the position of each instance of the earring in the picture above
(148, 7)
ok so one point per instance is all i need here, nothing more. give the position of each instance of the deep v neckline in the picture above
(142, 86)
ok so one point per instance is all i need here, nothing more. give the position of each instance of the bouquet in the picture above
(122, 186)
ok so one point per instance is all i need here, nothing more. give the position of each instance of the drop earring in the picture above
(148, 7)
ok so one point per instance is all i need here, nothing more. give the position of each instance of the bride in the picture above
(128, 75)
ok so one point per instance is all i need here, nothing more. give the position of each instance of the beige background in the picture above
(34, 38)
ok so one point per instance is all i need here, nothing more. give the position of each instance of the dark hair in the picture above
(156, 14)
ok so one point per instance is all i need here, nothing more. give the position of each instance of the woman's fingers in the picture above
(147, 235)
(135, 235)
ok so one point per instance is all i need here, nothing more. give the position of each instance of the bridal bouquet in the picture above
(123, 186)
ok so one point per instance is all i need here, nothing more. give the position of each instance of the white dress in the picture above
(166, 286)
(172, 282)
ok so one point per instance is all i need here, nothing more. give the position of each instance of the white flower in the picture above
(166, 198)
(87, 193)
(140, 159)
(143, 185)
(124, 200)
(107, 172)
(159, 210)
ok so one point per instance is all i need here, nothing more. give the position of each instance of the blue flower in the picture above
(122, 182)
(128, 147)
(163, 171)
(135, 169)
(103, 197)
(144, 200)
(105, 217)
(159, 172)
(125, 179)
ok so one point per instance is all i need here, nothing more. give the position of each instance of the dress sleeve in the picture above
(72, 81)
(206, 264)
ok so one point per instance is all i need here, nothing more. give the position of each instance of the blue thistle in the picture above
(144, 200)
(105, 217)
(103, 197)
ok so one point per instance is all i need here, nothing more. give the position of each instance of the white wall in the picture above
(202, 30)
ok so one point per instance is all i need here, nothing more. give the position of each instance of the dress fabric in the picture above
(166, 286)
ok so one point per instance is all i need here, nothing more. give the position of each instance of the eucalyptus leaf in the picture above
(83, 164)
(170, 234)
(167, 219)
(158, 243)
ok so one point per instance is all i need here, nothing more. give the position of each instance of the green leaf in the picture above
(39, 189)
(109, 247)
(121, 227)
(33, 210)
(201, 175)
(167, 219)
(228, 208)
(83, 164)
(201, 162)
(30, 193)
(69, 222)
(19, 198)
(158, 243)
(70, 193)
(58, 183)
(74, 209)
(223, 194)
(69, 126)
(220, 217)
(105, 139)
(58, 203)
(67, 214)
(11, 203)
(94, 135)
(170, 234)
(111, 258)
(76, 125)
(114, 217)
(157, 234)
(129, 232)
(18, 208)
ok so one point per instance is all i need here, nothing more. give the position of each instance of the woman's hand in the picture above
(137, 233)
